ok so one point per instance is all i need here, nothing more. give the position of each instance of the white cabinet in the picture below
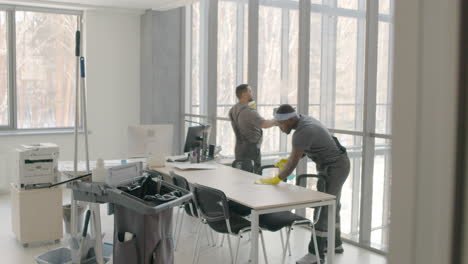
(36, 215)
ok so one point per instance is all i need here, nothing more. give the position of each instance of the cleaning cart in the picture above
(142, 208)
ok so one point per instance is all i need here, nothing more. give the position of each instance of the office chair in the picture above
(189, 207)
(213, 207)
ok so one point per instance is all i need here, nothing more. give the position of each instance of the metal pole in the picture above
(83, 111)
(73, 202)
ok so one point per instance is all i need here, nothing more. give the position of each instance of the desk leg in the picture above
(254, 244)
(331, 233)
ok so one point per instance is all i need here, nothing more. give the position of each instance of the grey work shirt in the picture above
(247, 122)
(315, 140)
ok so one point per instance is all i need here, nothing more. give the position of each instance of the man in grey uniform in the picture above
(247, 125)
(313, 139)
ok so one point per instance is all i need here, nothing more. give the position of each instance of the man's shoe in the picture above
(309, 259)
(338, 250)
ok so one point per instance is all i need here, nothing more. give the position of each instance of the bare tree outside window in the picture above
(45, 69)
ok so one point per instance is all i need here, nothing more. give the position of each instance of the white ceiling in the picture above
(125, 4)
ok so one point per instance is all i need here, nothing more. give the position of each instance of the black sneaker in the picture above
(338, 250)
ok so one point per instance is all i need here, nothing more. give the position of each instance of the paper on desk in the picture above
(194, 166)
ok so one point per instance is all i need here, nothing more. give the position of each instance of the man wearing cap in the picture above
(313, 139)
(247, 125)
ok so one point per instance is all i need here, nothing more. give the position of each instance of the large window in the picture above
(231, 65)
(38, 75)
(278, 49)
(336, 88)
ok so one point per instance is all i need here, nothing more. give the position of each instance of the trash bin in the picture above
(67, 217)
(146, 238)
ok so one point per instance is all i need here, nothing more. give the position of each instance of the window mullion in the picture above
(284, 68)
(11, 42)
(369, 121)
(253, 46)
(303, 66)
(188, 60)
(240, 43)
(390, 70)
(211, 69)
(331, 95)
(359, 119)
(203, 46)
(388, 158)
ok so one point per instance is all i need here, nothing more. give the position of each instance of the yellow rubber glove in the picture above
(280, 164)
(272, 180)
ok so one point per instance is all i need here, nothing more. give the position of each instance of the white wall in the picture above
(424, 130)
(113, 84)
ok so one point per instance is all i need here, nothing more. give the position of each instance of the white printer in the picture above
(37, 164)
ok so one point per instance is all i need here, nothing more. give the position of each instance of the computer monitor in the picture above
(195, 137)
(146, 140)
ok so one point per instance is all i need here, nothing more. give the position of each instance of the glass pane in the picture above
(231, 46)
(315, 59)
(226, 137)
(194, 93)
(45, 70)
(383, 115)
(346, 73)
(4, 109)
(314, 111)
(271, 137)
(384, 6)
(269, 56)
(351, 192)
(227, 56)
(381, 194)
(352, 4)
(290, 96)
(345, 117)
(278, 68)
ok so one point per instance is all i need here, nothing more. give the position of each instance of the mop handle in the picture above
(82, 66)
(77, 43)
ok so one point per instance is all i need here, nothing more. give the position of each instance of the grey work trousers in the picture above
(249, 151)
(336, 175)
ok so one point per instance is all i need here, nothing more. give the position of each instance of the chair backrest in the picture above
(212, 203)
(179, 181)
(321, 181)
(245, 165)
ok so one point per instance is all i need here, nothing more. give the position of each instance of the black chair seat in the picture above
(237, 223)
(239, 209)
(276, 221)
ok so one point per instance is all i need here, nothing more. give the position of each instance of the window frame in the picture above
(365, 120)
(12, 127)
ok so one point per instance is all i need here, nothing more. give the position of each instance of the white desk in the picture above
(239, 186)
